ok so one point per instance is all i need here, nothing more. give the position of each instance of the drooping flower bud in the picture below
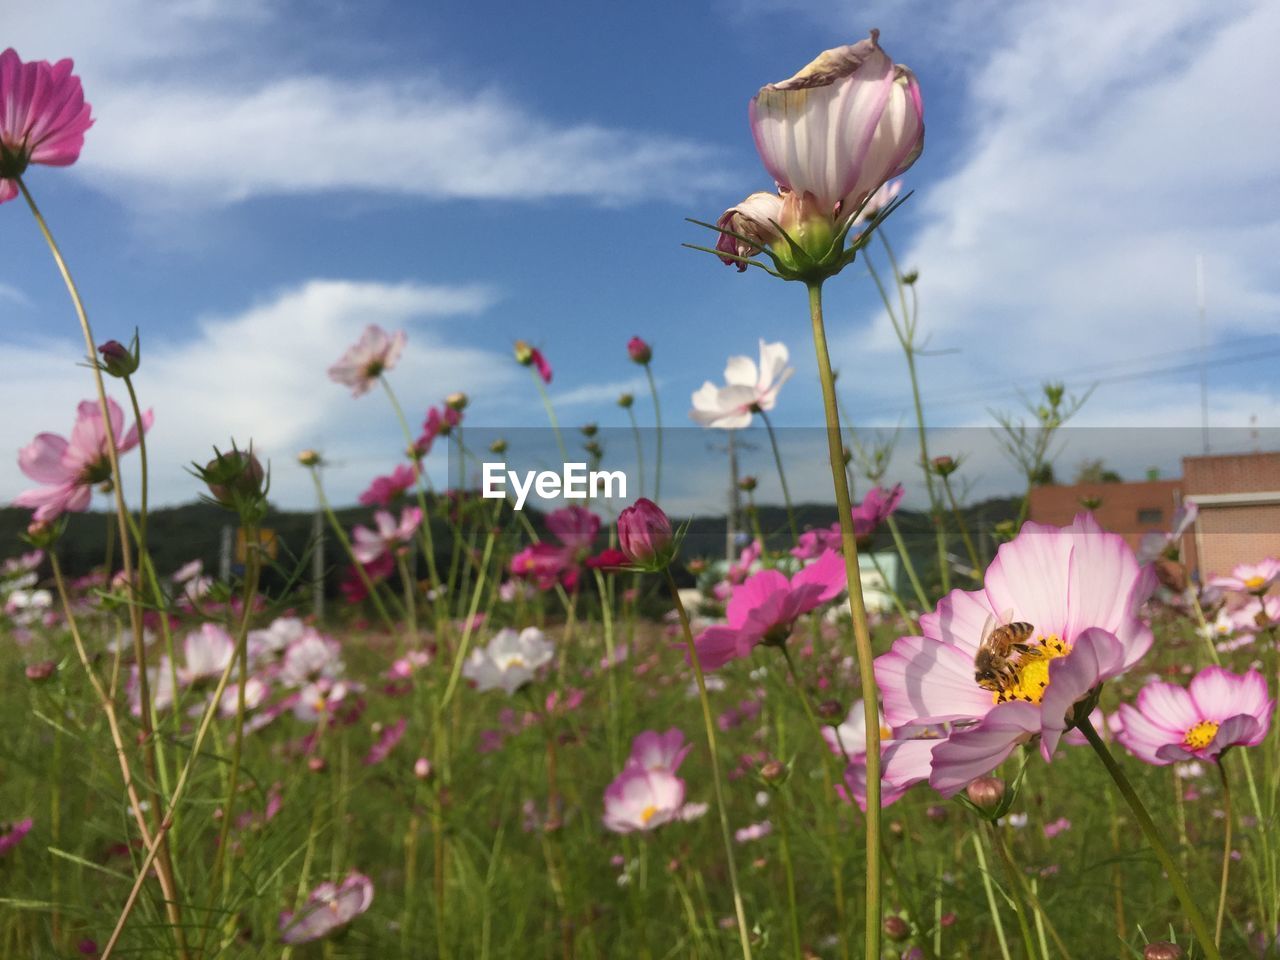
(309, 458)
(644, 535)
(523, 353)
(986, 793)
(1162, 950)
(1091, 503)
(38, 672)
(831, 712)
(895, 928)
(639, 351)
(119, 360)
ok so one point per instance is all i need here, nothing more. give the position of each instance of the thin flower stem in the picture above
(907, 565)
(784, 837)
(861, 632)
(657, 420)
(410, 602)
(782, 477)
(1226, 854)
(1176, 880)
(635, 432)
(964, 531)
(987, 885)
(1011, 871)
(428, 547)
(744, 937)
(164, 865)
(615, 718)
(551, 413)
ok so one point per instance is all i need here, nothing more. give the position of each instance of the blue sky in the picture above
(265, 178)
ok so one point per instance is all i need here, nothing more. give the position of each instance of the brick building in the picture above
(1239, 500)
(1238, 496)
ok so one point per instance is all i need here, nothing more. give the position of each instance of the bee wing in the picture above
(987, 627)
(1006, 616)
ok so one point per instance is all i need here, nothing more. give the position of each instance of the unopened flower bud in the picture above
(773, 772)
(747, 484)
(944, 466)
(910, 277)
(593, 448)
(37, 672)
(456, 401)
(523, 353)
(1091, 503)
(498, 446)
(234, 478)
(589, 429)
(309, 458)
(422, 768)
(625, 400)
(316, 764)
(895, 928)
(986, 793)
(831, 712)
(117, 359)
(1162, 950)
(847, 455)
(697, 565)
(644, 535)
(639, 351)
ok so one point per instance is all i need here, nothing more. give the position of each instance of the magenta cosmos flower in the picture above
(765, 608)
(640, 799)
(1080, 588)
(384, 491)
(1220, 710)
(69, 469)
(43, 117)
(368, 545)
(829, 136)
(651, 750)
(329, 907)
(644, 534)
(368, 358)
(529, 356)
(874, 509)
(547, 563)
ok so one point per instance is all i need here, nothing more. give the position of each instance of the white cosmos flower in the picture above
(510, 661)
(748, 389)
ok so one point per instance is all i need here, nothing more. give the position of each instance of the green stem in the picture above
(1226, 854)
(1176, 880)
(428, 547)
(164, 865)
(657, 420)
(744, 937)
(991, 895)
(964, 532)
(551, 414)
(907, 565)
(635, 432)
(782, 477)
(862, 634)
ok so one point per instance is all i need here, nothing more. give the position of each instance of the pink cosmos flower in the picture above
(1220, 710)
(352, 584)
(529, 356)
(755, 831)
(207, 652)
(310, 658)
(1156, 545)
(329, 907)
(387, 741)
(1250, 577)
(749, 389)
(875, 507)
(384, 491)
(368, 545)
(11, 834)
(639, 351)
(644, 534)
(439, 423)
(69, 469)
(547, 563)
(841, 127)
(43, 117)
(367, 359)
(640, 799)
(1080, 588)
(765, 608)
(651, 750)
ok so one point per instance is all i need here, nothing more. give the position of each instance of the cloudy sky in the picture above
(265, 178)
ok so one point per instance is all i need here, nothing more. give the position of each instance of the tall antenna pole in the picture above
(1204, 347)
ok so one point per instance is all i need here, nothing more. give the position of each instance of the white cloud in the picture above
(210, 128)
(261, 374)
(1094, 149)
(597, 394)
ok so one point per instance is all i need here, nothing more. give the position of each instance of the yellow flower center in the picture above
(647, 814)
(1201, 735)
(1033, 671)
(1255, 583)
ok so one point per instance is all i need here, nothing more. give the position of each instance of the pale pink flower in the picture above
(841, 127)
(1250, 577)
(368, 545)
(748, 389)
(1061, 825)
(11, 834)
(69, 469)
(1156, 545)
(756, 219)
(310, 658)
(765, 608)
(1080, 588)
(640, 799)
(329, 907)
(875, 508)
(1220, 710)
(43, 117)
(367, 359)
(651, 750)
(849, 739)
(755, 831)
(206, 653)
(255, 695)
